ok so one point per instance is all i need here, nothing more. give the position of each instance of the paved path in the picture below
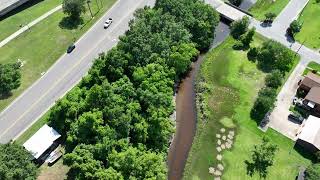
(288, 14)
(67, 71)
(26, 27)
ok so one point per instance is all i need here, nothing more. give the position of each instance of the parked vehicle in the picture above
(71, 48)
(107, 23)
(299, 119)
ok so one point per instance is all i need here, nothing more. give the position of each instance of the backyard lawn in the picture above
(261, 7)
(40, 47)
(232, 83)
(310, 33)
(24, 14)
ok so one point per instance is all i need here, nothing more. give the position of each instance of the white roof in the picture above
(311, 131)
(41, 141)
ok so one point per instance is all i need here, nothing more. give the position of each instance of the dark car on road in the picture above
(297, 118)
(71, 48)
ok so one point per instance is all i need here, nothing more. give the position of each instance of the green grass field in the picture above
(233, 83)
(24, 15)
(261, 7)
(43, 45)
(312, 66)
(310, 33)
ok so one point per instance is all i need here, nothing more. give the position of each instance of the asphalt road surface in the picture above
(67, 71)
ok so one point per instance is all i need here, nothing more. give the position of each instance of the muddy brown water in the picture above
(186, 114)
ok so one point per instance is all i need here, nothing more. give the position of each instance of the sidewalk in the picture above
(26, 27)
(288, 14)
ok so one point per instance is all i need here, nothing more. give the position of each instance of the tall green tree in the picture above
(201, 24)
(274, 79)
(74, 8)
(15, 163)
(295, 27)
(262, 157)
(135, 163)
(10, 77)
(273, 55)
(239, 27)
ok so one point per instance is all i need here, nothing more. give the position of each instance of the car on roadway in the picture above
(299, 119)
(107, 23)
(71, 48)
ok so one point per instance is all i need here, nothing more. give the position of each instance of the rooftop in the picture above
(41, 141)
(311, 131)
(314, 95)
(311, 80)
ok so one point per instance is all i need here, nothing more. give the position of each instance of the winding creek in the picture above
(186, 109)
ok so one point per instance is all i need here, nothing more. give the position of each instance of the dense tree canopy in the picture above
(74, 8)
(264, 103)
(116, 122)
(273, 55)
(10, 77)
(15, 163)
(239, 27)
(274, 79)
(199, 18)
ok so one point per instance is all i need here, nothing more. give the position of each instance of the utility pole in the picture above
(88, 2)
(301, 46)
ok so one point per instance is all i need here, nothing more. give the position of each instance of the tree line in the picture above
(116, 122)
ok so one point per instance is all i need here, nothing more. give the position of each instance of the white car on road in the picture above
(107, 23)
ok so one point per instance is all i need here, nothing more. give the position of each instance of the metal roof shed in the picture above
(41, 141)
(311, 132)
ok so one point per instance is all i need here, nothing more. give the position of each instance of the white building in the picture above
(41, 141)
(309, 137)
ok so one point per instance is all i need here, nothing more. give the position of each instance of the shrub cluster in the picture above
(274, 57)
(116, 121)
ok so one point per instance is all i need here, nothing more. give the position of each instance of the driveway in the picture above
(279, 116)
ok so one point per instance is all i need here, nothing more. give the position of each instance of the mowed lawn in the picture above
(233, 83)
(310, 32)
(40, 47)
(24, 14)
(261, 7)
(312, 66)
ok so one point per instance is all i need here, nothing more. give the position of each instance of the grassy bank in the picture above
(261, 7)
(24, 14)
(43, 45)
(228, 84)
(310, 33)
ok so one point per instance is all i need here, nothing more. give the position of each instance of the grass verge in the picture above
(43, 45)
(33, 129)
(227, 86)
(312, 66)
(24, 14)
(310, 34)
(261, 7)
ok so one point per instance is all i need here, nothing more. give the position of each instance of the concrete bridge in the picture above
(8, 5)
(227, 11)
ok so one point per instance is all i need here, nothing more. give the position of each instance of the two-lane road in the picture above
(67, 71)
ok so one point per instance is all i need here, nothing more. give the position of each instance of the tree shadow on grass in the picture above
(259, 168)
(70, 23)
(304, 153)
(5, 96)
